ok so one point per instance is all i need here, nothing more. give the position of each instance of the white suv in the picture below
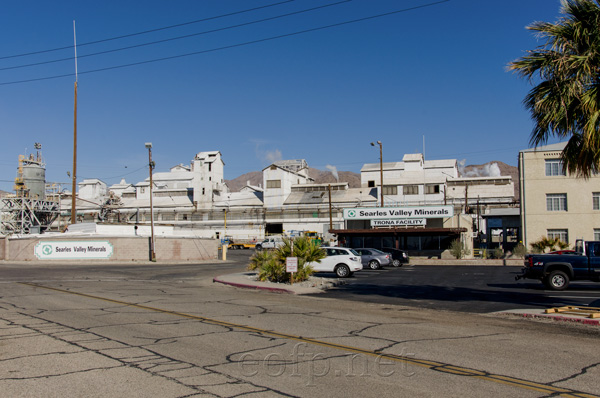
(341, 260)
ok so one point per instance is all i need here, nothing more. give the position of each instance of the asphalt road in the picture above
(168, 330)
(477, 289)
(474, 289)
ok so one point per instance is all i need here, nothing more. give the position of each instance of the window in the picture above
(596, 201)
(410, 190)
(431, 189)
(596, 233)
(554, 167)
(273, 183)
(556, 202)
(561, 234)
(390, 190)
(142, 190)
(371, 184)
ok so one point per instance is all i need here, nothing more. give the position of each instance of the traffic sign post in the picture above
(291, 266)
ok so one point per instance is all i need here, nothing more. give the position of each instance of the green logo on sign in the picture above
(47, 250)
(351, 213)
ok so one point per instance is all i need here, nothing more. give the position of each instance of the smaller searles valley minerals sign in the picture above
(391, 213)
(73, 250)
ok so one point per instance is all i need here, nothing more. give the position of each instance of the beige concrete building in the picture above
(555, 204)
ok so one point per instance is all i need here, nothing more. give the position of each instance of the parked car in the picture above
(272, 242)
(557, 270)
(341, 260)
(399, 257)
(564, 251)
(373, 258)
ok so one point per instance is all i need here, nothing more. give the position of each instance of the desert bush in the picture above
(520, 250)
(270, 264)
(458, 249)
(546, 244)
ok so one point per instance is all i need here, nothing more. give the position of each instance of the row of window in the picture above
(563, 234)
(407, 189)
(558, 201)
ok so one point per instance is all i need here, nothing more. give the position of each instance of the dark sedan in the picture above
(399, 257)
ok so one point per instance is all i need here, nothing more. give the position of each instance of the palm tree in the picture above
(566, 102)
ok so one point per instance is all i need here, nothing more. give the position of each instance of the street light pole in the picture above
(151, 166)
(380, 167)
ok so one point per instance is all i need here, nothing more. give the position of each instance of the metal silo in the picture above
(34, 178)
(31, 176)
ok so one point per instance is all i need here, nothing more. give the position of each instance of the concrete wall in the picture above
(125, 249)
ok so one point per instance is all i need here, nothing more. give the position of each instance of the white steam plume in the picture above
(334, 171)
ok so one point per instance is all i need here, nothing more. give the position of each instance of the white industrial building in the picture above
(195, 200)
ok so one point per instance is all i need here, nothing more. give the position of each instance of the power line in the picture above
(148, 31)
(232, 45)
(178, 37)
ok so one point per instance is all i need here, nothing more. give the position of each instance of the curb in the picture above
(257, 287)
(557, 318)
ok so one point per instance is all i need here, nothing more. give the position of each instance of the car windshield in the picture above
(354, 252)
(377, 251)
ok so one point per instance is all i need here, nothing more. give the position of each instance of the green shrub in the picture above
(546, 244)
(520, 250)
(271, 264)
(458, 249)
(497, 252)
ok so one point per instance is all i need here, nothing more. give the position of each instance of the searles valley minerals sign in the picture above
(73, 250)
(391, 213)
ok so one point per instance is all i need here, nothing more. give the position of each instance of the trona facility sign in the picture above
(395, 213)
(408, 222)
(73, 250)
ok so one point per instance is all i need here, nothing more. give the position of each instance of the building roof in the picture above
(547, 148)
(508, 211)
(240, 199)
(208, 156)
(90, 181)
(347, 197)
(428, 164)
(121, 185)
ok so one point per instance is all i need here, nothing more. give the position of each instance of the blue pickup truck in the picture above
(557, 270)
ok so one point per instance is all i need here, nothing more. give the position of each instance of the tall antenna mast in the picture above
(74, 187)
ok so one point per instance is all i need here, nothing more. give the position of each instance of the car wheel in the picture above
(373, 264)
(258, 247)
(342, 271)
(396, 263)
(557, 280)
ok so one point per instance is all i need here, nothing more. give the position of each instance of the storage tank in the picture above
(31, 176)
(34, 179)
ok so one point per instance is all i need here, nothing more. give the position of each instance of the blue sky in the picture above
(436, 71)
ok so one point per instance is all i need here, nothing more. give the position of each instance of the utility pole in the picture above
(74, 186)
(151, 164)
(330, 213)
(380, 167)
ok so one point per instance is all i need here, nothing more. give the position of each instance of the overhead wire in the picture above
(178, 37)
(148, 31)
(285, 35)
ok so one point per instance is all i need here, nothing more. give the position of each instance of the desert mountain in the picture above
(492, 169)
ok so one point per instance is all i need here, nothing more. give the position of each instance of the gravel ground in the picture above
(313, 281)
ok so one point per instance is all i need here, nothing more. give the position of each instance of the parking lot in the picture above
(477, 289)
